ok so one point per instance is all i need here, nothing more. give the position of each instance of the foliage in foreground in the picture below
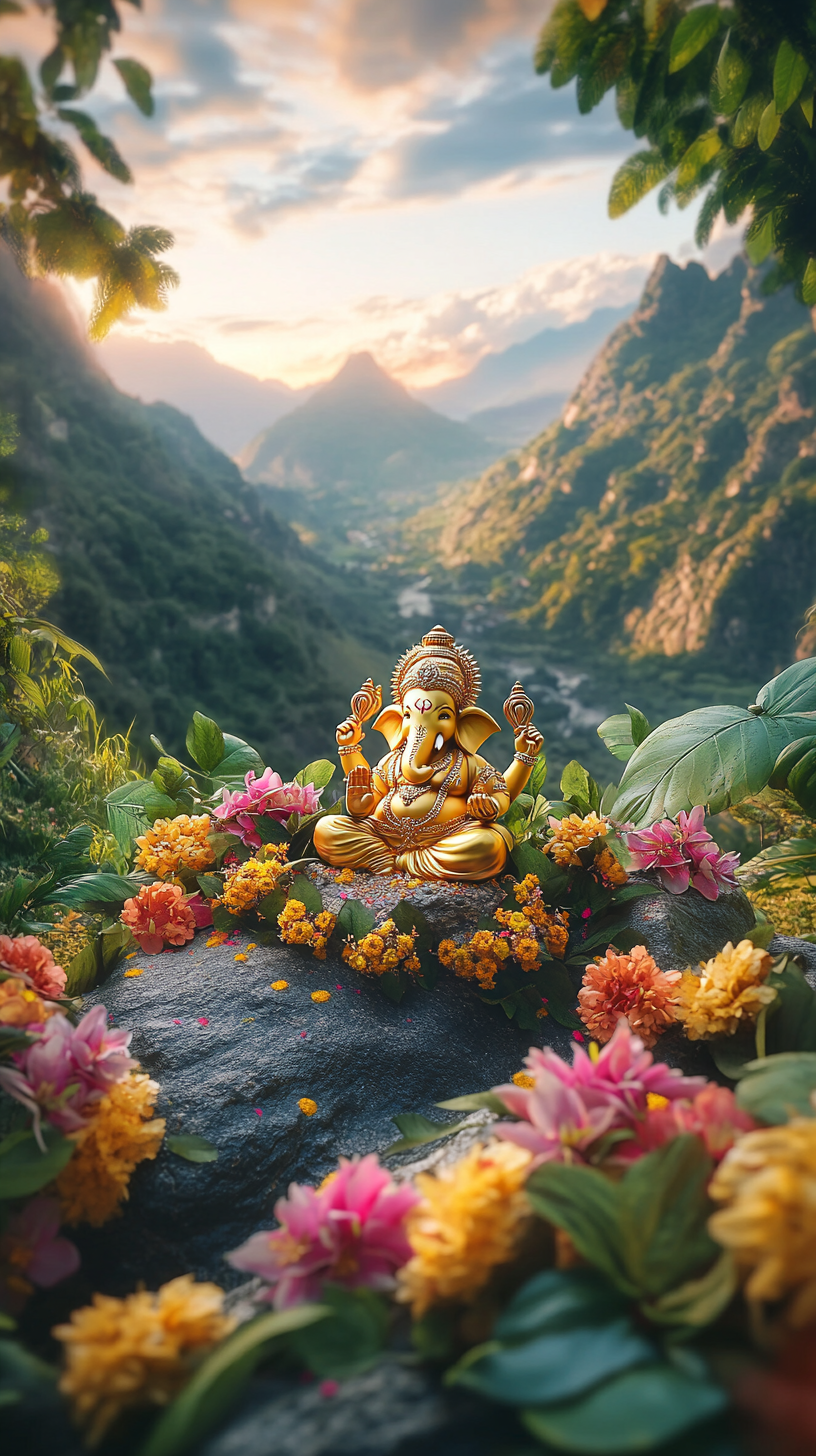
(723, 93)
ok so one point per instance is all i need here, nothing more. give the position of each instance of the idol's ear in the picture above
(473, 727)
(390, 724)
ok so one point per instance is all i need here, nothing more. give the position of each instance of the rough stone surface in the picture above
(681, 930)
(451, 909)
(233, 1058)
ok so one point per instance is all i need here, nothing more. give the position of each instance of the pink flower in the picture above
(67, 1069)
(157, 916)
(714, 872)
(349, 1231)
(621, 1078)
(268, 796)
(658, 849)
(30, 1241)
(713, 1115)
(558, 1124)
(26, 956)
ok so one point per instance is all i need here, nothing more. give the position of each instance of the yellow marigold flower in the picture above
(218, 937)
(413, 963)
(405, 944)
(609, 868)
(542, 1012)
(523, 1079)
(175, 844)
(321, 995)
(325, 921)
(137, 1351)
(767, 1183)
(391, 959)
(387, 928)
(293, 910)
(571, 834)
(319, 948)
(727, 994)
(280, 986)
(307, 1106)
(556, 940)
(469, 1221)
(250, 883)
(512, 920)
(121, 1134)
(525, 890)
(345, 877)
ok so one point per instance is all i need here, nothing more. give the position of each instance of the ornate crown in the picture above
(437, 663)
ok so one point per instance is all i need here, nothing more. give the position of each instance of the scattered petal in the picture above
(279, 986)
(259, 1111)
(135, 971)
(321, 996)
(307, 1106)
(576, 1036)
(240, 957)
(205, 1021)
(328, 1388)
(131, 954)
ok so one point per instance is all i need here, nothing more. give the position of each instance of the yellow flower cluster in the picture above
(572, 834)
(534, 912)
(176, 844)
(728, 994)
(250, 883)
(121, 1134)
(298, 927)
(609, 868)
(479, 958)
(767, 1183)
(383, 949)
(469, 1221)
(69, 936)
(137, 1351)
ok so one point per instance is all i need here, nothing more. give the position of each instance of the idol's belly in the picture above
(453, 806)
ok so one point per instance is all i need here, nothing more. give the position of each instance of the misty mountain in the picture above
(514, 424)
(228, 406)
(359, 457)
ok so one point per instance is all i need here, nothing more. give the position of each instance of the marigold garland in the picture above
(121, 1134)
(630, 985)
(469, 1221)
(533, 912)
(479, 959)
(767, 1183)
(176, 844)
(383, 949)
(137, 1351)
(729, 993)
(249, 883)
(298, 927)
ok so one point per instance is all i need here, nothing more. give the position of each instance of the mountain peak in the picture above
(364, 379)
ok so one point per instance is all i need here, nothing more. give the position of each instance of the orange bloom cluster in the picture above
(159, 916)
(383, 949)
(26, 956)
(121, 1134)
(479, 959)
(534, 912)
(20, 1006)
(609, 869)
(176, 844)
(250, 883)
(571, 834)
(298, 927)
(629, 985)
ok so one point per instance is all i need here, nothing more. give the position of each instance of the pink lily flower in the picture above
(37, 1251)
(558, 1125)
(67, 1069)
(658, 849)
(349, 1231)
(268, 796)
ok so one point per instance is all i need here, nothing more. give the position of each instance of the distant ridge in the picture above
(346, 467)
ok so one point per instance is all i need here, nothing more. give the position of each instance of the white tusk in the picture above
(438, 741)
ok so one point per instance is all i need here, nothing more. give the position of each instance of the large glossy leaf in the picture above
(693, 34)
(636, 1411)
(792, 691)
(559, 1299)
(101, 892)
(789, 860)
(124, 808)
(351, 1339)
(790, 72)
(319, 773)
(554, 1367)
(791, 1024)
(239, 758)
(221, 1378)
(205, 742)
(624, 732)
(774, 1089)
(25, 1168)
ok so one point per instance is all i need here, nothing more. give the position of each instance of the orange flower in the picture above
(629, 985)
(20, 1006)
(25, 955)
(158, 915)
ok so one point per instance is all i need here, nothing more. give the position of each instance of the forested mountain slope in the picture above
(173, 570)
(673, 509)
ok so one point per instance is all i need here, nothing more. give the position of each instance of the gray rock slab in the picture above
(681, 930)
(233, 1058)
(451, 909)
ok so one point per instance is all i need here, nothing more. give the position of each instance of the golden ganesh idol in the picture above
(429, 807)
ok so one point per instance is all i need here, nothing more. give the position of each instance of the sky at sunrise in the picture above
(367, 174)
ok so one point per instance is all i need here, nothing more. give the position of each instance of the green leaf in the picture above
(24, 1168)
(138, 82)
(553, 1367)
(760, 239)
(10, 741)
(269, 831)
(731, 1054)
(205, 742)
(320, 773)
(733, 75)
(474, 1102)
(113, 942)
(417, 1130)
(777, 1088)
(83, 970)
(789, 758)
(305, 890)
(634, 179)
(239, 758)
(538, 777)
(789, 862)
(768, 126)
(553, 982)
(699, 154)
(693, 34)
(698, 1302)
(223, 919)
(791, 1023)
(616, 733)
(747, 119)
(159, 806)
(211, 886)
(809, 279)
(102, 892)
(348, 1342)
(806, 103)
(354, 918)
(192, 1147)
(647, 1232)
(790, 74)
(576, 785)
(271, 906)
(13, 897)
(99, 146)
(634, 1412)
(802, 782)
(559, 1299)
(220, 1379)
(124, 810)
